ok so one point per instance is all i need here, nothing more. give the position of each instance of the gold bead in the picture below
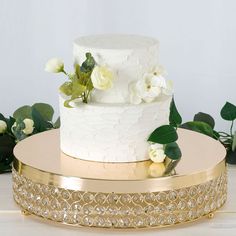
(211, 215)
(25, 212)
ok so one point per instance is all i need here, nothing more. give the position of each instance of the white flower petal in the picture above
(29, 126)
(159, 70)
(156, 153)
(102, 78)
(54, 65)
(158, 81)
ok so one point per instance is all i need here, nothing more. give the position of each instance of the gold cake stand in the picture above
(49, 184)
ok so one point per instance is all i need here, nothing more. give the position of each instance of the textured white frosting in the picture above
(110, 133)
(109, 129)
(128, 56)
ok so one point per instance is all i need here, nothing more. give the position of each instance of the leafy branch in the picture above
(205, 124)
(26, 121)
(167, 136)
(80, 84)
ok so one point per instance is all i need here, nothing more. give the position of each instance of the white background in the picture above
(198, 46)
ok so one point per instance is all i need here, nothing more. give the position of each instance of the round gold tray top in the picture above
(40, 158)
(55, 186)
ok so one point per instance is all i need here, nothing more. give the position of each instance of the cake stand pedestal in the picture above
(54, 186)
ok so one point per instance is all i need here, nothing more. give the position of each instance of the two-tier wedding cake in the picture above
(117, 112)
(129, 98)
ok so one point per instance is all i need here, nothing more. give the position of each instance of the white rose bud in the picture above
(29, 126)
(102, 78)
(156, 169)
(54, 65)
(156, 153)
(3, 126)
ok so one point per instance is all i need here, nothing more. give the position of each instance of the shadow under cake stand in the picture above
(54, 186)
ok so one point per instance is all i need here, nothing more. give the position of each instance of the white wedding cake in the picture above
(121, 114)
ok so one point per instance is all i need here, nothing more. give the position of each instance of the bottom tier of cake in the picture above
(110, 132)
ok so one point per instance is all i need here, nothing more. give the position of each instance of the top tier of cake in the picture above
(128, 56)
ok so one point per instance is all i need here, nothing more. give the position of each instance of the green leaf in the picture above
(216, 135)
(234, 142)
(2, 117)
(10, 123)
(173, 151)
(231, 157)
(7, 143)
(163, 135)
(77, 89)
(67, 103)
(175, 118)
(45, 110)
(198, 126)
(17, 130)
(72, 76)
(23, 113)
(90, 85)
(66, 88)
(88, 64)
(228, 112)
(5, 167)
(203, 117)
(57, 124)
(40, 123)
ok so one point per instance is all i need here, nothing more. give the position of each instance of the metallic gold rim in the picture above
(121, 186)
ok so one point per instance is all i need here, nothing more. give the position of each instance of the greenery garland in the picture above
(26, 121)
(202, 123)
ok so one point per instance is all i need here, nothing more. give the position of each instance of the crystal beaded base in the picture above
(120, 195)
(131, 210)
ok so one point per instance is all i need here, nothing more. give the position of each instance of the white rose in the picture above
(29, 126)
(54, 65)
(156, 153)
(156, 169)
(102, 78)
(3, 126)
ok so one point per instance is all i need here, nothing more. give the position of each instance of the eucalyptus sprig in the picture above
(26, 121)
